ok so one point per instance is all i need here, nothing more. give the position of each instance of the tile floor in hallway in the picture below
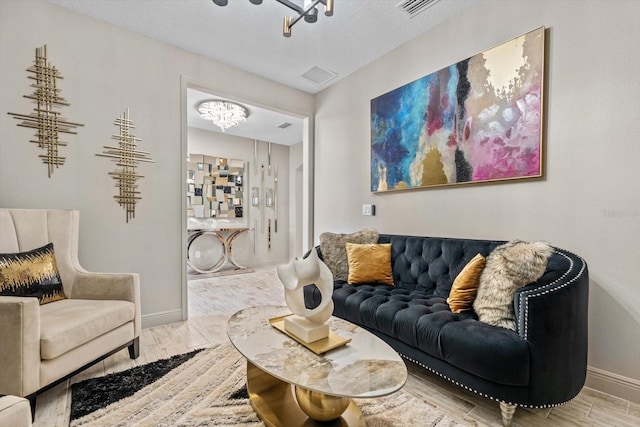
(213, 300)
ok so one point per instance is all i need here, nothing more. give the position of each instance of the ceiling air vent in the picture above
(318, 76)
(284, 125)
(414, 7)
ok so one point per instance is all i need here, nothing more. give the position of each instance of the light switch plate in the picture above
(368, 209)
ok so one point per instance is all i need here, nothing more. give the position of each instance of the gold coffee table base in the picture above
(274, 402)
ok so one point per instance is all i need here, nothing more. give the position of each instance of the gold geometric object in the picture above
(44, 118)
(275, 400)
(128, 158)
(319, 406)
(319, 347)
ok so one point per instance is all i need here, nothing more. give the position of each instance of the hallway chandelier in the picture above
(308, 11)
(223, 114)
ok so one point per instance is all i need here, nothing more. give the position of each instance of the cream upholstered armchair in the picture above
(42, 345)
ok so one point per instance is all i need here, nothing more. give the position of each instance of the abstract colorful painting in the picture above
(478, 120)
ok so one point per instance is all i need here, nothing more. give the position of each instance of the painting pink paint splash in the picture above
(475, 121)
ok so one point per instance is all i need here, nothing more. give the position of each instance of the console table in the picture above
(225, 236)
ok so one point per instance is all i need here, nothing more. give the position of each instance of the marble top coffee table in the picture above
(279, 368)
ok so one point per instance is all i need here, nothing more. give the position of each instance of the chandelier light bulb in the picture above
(223, 114)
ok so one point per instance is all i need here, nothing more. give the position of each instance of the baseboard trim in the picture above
(161, 318)
(617, 385)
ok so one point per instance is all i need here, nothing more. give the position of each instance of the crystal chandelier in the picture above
(223, 114)
(308, 10)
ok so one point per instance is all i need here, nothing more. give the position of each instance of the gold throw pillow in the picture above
(465, 286)
(31, 274)
(369, 263)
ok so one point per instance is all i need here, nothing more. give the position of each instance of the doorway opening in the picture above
(275, 168)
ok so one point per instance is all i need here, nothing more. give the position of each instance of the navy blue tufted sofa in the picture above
(543, 364)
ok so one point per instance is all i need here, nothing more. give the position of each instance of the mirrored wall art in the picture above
(214, 187)
(255, 196)
(268, 198)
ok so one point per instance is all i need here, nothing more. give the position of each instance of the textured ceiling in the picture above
(249, 37)
(261, 124)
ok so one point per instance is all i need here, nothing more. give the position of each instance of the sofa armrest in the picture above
(19, 345)
(109, 286)
(552, 317)
(15, 411)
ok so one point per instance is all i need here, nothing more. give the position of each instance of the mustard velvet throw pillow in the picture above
(369, 263)
(465, 286)
(31, 274)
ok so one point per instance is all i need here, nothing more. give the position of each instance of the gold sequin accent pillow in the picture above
(31, 274)
(369, 263)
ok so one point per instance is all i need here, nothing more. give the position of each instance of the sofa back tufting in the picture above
(540, 364)
(430, 264)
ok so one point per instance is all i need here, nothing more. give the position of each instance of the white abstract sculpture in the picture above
(308, 325)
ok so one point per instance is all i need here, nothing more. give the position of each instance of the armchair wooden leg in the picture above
(507, 412)
(134, 348)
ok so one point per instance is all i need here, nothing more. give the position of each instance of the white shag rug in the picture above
(203, 392)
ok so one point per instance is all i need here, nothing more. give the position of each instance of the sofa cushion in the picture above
(67, 324)
(334, 251)
(495, 354)
(369, 263)
(32, 273)
(425, 322)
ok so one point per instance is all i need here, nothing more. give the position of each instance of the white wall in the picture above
(589, 201)
(295, 190)
(235, 147)
(106, 70)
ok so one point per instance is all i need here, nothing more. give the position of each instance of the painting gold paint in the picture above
(479, 120)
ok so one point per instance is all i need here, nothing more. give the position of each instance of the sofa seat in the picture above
(425, 321)
(70, 323)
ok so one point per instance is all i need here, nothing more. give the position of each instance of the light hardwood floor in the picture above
(212, 301)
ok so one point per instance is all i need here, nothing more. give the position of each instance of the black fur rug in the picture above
(96, 393)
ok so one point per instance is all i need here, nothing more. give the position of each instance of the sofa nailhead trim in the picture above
(551, 287)
(553, 405)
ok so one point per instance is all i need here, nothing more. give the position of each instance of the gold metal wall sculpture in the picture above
(128, 158)
(45, 119)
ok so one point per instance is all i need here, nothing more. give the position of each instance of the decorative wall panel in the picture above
(127, 157)
(45, 118)
(215, 187)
